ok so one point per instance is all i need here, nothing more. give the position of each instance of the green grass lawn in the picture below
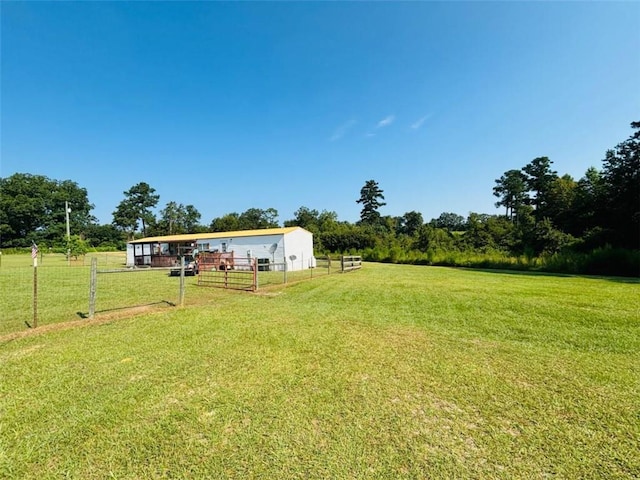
(388, 372)
(63, 289)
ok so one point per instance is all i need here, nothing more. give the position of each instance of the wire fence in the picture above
(55, 291)
(282, 273)
(97, 285)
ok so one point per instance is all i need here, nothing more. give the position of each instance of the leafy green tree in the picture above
(621, 177)
(539, 179)
(104, 236)
(32, 208)
(488, 232)
(477, 235)
(524, 235)
(306, 218)
(502, 231)
(229, 222)
(315, 222)
(191, 219)
(251, 219)
(409, 223)
(548, 239)
(176, 218)
(562, 199)
(23, 199)
(370, 198)
(346, 237)
(511, 188)
(450, 221)
(386, 226)
(137, 205)
(79, 215)
(170, 217)
(431, 238)
(256, 218)
(590, 196)
(125, 218)
(76, 246)
(327, 220)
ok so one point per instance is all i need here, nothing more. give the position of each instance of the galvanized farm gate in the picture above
(222, 270)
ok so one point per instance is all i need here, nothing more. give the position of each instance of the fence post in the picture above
(285, 270)
(35, 291)
(254, 266)
(92, 286)
(181, 296)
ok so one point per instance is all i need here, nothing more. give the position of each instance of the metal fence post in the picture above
(181, 296)
(92, 286)
(285, 270)
(254, 265)
(35, 292)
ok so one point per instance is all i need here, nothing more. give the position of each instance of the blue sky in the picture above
(230, 106)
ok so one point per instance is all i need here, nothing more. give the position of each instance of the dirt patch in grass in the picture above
(101, 319)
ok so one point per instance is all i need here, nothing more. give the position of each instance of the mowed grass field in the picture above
(388, 372)
(63, 289)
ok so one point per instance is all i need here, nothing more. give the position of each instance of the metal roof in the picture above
(191, 237)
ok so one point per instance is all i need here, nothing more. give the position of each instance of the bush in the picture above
(613, 261)
(602, 261)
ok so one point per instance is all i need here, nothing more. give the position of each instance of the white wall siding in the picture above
(130, 255)
(299, 243)
(296, 241)
(258, 246)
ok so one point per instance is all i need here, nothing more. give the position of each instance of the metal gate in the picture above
(223, 270)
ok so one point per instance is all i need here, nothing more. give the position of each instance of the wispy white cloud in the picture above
(386, 121)
(418, 123)
(342, 130)
(369, 134)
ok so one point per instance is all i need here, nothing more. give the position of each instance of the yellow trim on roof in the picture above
(191, 237)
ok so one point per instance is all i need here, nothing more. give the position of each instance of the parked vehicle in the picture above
(190, 266)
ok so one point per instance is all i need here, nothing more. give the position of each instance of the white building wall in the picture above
(129, 255)
(258, 246)
(299, 243)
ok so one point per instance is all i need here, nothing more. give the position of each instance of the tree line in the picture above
(547, 218)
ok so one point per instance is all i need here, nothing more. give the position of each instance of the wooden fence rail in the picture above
(350, 262)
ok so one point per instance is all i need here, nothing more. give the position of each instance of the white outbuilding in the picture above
(273, 248)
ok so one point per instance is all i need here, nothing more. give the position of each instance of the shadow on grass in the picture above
(108, 316)
(85, 315)
(628, 280)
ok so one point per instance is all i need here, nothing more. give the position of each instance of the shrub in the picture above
(613, 261)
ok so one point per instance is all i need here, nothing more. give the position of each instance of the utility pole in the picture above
(67, 210)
